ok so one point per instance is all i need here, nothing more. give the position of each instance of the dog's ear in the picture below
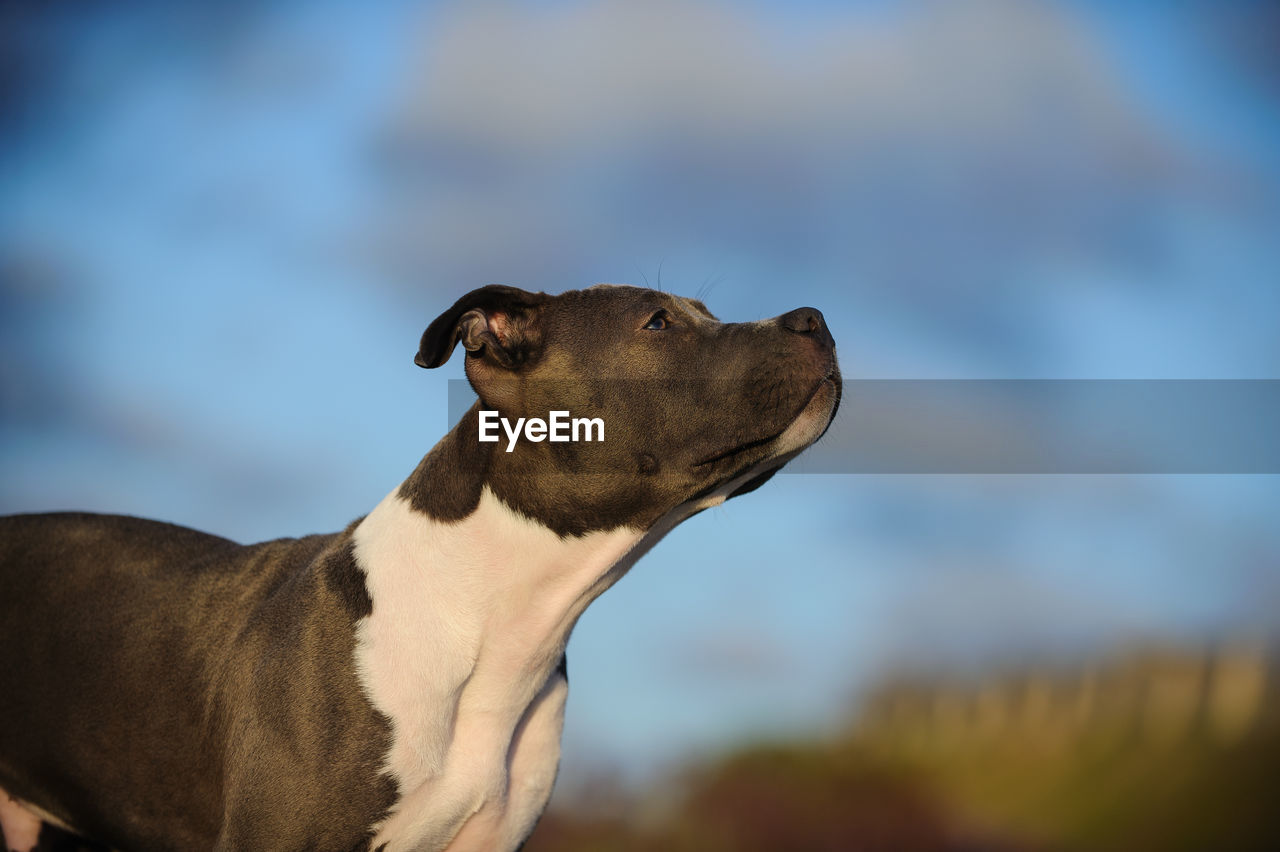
(497, 323)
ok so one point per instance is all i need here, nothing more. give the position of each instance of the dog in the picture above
(399, 685)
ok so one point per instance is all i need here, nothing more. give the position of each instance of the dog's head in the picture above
(694, 410)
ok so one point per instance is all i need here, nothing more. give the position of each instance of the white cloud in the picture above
(533, 142)
(564, 81)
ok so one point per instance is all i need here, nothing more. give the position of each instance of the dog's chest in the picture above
(461, 653)
(494, 785)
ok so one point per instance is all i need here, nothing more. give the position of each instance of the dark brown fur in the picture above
(197, 656)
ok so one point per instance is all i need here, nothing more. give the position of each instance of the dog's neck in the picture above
(470, 617)
(472, 606)
(492, 579)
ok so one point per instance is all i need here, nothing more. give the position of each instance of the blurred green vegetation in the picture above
(1154, 750)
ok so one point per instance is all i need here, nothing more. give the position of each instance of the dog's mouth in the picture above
(829, 383)
(738, 450)
(808, 425)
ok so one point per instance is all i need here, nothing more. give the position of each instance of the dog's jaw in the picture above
(812, 421)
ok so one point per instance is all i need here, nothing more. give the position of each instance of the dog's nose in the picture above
(802, 320)
(808, 321)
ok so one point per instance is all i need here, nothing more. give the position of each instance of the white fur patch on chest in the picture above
(469, 621)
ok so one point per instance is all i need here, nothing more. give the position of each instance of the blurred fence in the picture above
(1161, 748)
(1162, 697)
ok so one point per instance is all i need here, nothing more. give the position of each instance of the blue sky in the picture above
(223, 228)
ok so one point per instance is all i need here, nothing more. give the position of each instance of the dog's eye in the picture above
(657, 322)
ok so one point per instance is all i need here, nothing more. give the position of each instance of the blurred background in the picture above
(223, 227)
